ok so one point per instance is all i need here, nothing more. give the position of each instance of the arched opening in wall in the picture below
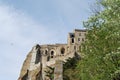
(62, 50)
(52, 54)
(72, 35)
(72, 40)
(38, 57)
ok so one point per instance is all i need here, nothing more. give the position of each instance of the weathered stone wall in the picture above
(49, 54)
(58, 72)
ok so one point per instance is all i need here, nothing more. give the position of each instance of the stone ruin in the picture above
(42, 56)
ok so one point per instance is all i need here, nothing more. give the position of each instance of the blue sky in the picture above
(24, 23)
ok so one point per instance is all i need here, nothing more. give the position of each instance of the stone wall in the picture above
(42, 56)
(58, 72)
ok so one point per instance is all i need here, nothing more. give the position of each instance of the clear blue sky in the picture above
(24, 23)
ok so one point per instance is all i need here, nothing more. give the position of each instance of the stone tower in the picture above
(42, 56)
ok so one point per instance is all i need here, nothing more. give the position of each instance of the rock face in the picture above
(42, 56)
(26, 64)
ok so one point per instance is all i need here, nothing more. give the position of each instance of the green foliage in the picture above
(100, 52)
(113, 59)
(69, 68)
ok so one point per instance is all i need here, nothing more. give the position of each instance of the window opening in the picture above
(52, 54)
(72, 40)
(46, 52)
(62, 50)
(82, 39)
(72, 35)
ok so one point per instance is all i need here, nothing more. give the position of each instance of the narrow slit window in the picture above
(46, 52)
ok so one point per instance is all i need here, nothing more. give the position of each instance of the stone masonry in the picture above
(58, 72)
(42, 56)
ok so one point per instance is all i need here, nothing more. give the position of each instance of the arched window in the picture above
(52, 54)
(72, 40)
(62, 50)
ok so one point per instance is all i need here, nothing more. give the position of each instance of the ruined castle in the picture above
(42, 56)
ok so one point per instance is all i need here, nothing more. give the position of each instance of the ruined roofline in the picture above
(46, 45)
(80, 30)
(83, 30)
(57, 44)
(70, 33)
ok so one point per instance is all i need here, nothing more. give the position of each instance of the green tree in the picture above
(99, 59)
(69, 68)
